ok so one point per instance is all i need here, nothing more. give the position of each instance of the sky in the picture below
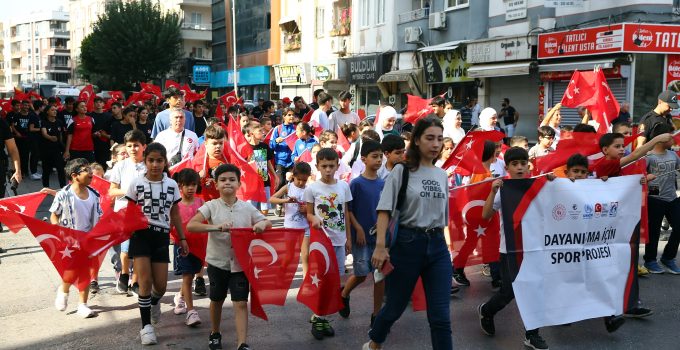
(12, 8)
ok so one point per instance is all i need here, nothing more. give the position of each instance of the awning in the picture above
(578, 65)
(499, 70)
(451, 45)
(388, 83)
(288, 25)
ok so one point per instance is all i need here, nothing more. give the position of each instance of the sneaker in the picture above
(654, 267)
(534, 341)
(638, 312)
(36, 176)
(148, 335)
(180, 305)
(61, 301)
(135, 289)
(642, 271)
(94, 287)
(496, 285)
(486, 323)
(459, 277)
(243, 346)
(454, 289)
(321, 328)
(192, 319)
(328, 331)
(215, 341)
(612, 323)
(670, 266)
(486, 270)
(367, 346)
(122, 284)
(344, 312)
(85, 312)
(199, 288)
(156, 313)
(278, 210)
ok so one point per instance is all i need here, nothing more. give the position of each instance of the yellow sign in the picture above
(446, 66)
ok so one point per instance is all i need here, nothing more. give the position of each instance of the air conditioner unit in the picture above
(437, 20)
(339, 45)
(412, 35)
(197, 26)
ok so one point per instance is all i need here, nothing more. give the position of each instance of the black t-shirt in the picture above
(65, 116)
(651, 119)
(5, 134)
(102, 121)
(302, 113)
(200, 125)
(34, 120)
(508, 115)
(257, 112)
(118, 131)
(146, 129)
(55, 128)
(21, 122)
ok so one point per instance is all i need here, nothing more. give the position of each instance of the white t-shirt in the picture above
(294, 218)
(155, 197)
(476, 109)
(497, 168)
(329, 205)
(84, 210)
(343, 173)
(171, 140)
(321, 118)
(497, 208)
(122, 174)
(338, 118)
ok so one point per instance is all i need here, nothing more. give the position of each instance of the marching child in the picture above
(516, 160)
(394, 150)
(224, 271)
(214, 157)
(76, 206)
(329, 139)
(291, 196)
(158, 195)
(305, 135)
(546, 136)
(365, 190)
(263, 157)
(187, 266)
(327, 200)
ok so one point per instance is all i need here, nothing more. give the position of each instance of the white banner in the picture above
(577, 253)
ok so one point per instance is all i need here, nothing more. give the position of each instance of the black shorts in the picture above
(222, 281)
(152, 244)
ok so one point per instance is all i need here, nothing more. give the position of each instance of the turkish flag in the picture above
(362, 114)
(305, 157)
(585, 143)
(639, 167)
(605, 107)
(152, 89)
(290, 141)
(229, 99)
(219, 113)
(268, 137)
(87, 95)
(467, 156)
(6, 105)
(20, 95)
(184, 164)
(102, 187)
(342, 139)
(252, 186)
(581, 89)
(26, 204)
(237, 141)
(308, 116)
(417, 109)
(269, 260)
(169, 83)
(474, 240)
(77, 255)
(320, 289)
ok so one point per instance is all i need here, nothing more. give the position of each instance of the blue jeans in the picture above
(418, 254)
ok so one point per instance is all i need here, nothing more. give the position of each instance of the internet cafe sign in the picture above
(448, 66)
(366, 69)
(626, 37)
(290, 74)
(499, 50)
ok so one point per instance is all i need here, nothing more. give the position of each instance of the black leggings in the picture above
(656, 210)
(54, 160)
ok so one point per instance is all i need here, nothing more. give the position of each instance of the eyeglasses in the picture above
(85, 170)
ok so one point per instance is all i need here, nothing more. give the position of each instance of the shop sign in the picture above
(515, 9)
(581, 42)
(507, 49)
(323, 72)
(609, 73)
(672, 81)
(201, 74)
(366, 69)
(446, 66)
(290, 74)
(563, 3)
(651, 38)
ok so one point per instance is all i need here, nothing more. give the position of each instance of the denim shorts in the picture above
(186, 265)
(125, 246)
(362, 258)
(340, 257)
(262, 205)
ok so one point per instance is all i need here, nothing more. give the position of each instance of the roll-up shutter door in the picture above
(570, 115)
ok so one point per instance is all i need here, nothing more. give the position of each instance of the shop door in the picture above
(570, 116)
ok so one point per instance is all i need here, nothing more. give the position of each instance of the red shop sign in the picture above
(609, 73)
(581, 42)
(673, 72)
(651, 38)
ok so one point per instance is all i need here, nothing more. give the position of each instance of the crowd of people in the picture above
(354, 194)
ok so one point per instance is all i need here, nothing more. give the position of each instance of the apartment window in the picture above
(196, 18)
(379, 11)
(364, 12)
(455, 4)
(319, 28)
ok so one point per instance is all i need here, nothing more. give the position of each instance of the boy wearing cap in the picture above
(175, 99)
(661, 114)
(344, 115)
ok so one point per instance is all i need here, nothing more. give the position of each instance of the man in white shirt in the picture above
(172, 138)
(476, 109)
(344, 115)
(320, 117)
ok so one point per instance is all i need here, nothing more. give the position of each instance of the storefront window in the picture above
(461, 92)
(369, 99)
(648, 78)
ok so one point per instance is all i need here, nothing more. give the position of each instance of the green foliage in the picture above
(131, 42)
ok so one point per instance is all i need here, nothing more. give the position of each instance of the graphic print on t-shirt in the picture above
(431, 189)
(331, 213)
(159, 206)
(260, 158)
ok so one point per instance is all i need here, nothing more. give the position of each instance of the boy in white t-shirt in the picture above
(120, 177)
(327, 200)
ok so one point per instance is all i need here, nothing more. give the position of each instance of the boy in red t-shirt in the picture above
(613, 148)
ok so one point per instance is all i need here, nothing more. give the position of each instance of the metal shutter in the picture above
(570, 115)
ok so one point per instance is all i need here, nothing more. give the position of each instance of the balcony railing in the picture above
(197, 26)
(413, 15)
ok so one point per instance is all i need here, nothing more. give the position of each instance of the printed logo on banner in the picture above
(598, 210)
(613, 209)
(559, 212)
(605, 209)
(574, 212)
(645, 36)
(551, 45)
(587, 211)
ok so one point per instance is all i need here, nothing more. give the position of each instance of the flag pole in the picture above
(233, 41)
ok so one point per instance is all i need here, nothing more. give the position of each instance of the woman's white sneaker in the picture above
(192, 319)
(180, 305)
(61, 302)
(85, 312)
(148, 335)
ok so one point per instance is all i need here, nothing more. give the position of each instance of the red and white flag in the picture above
(467, 156)
(417, 108)
(26, 204)
(102, 187)
(320, 289)
(87, 95)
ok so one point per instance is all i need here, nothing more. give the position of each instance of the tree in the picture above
(131, 42)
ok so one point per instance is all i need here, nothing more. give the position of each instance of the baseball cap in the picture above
(286, 101)
(172, 91)
(670, 97)
(344, 95)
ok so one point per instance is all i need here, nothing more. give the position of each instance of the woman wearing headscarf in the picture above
(453, 122)
(386, 119)
(488, 120)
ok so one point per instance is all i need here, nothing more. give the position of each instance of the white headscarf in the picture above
(386, 112)
(450, 129)
(485, 119)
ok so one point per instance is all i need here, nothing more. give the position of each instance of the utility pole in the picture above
(233, 33)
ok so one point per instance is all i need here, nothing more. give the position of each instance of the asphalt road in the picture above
(28, 319)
